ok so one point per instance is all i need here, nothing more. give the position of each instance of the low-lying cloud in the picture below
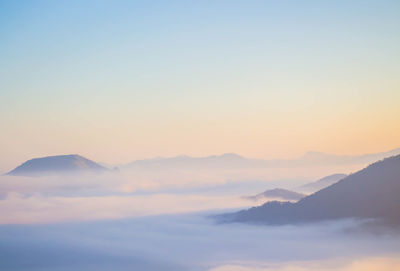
(386, 263)
(19, 209)
(117, 195)
(193, 242)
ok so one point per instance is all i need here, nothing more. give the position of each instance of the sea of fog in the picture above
(195, 242)
(125, 222)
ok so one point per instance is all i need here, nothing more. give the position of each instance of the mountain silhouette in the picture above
(232, 160)
(280, 193)
(369, 193)
(227, 160)
(322, 183)
(320, 158)
(54, 165)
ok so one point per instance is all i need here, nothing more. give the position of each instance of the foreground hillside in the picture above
(373, 192)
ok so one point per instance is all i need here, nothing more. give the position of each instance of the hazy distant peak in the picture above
(231, 156)
(322, 183)
(277, 193)
(56, 165)
(318, 154)
(312, 155)
(235, 161)
(315, 157)
(226, 160)
(315, 153)
(393, 152)
(182, 156)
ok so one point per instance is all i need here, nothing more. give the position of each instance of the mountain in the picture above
(319, 158)
(232, 160)
(369, 193)
(277, 193)
(227, 160)
(321, 183)
(54, 165)
(284, 194)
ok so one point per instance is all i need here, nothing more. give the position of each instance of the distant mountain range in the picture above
(370, 193)
(226, 160)
(277, 193)
(54, 165)
(62, 164)
(319, 158)
(232, 160)
(321, 183)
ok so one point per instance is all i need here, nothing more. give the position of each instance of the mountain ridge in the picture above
(322, 182)
(372, 192)
(232, 159)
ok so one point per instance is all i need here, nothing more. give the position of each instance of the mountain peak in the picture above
(231, 155)
(59, 164)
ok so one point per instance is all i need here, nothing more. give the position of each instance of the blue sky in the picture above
(134, 79)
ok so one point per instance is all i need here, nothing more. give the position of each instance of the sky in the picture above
(122, 80)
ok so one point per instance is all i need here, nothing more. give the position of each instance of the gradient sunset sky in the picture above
(123, 80)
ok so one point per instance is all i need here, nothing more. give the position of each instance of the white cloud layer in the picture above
(118, 195)
(388, 263)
